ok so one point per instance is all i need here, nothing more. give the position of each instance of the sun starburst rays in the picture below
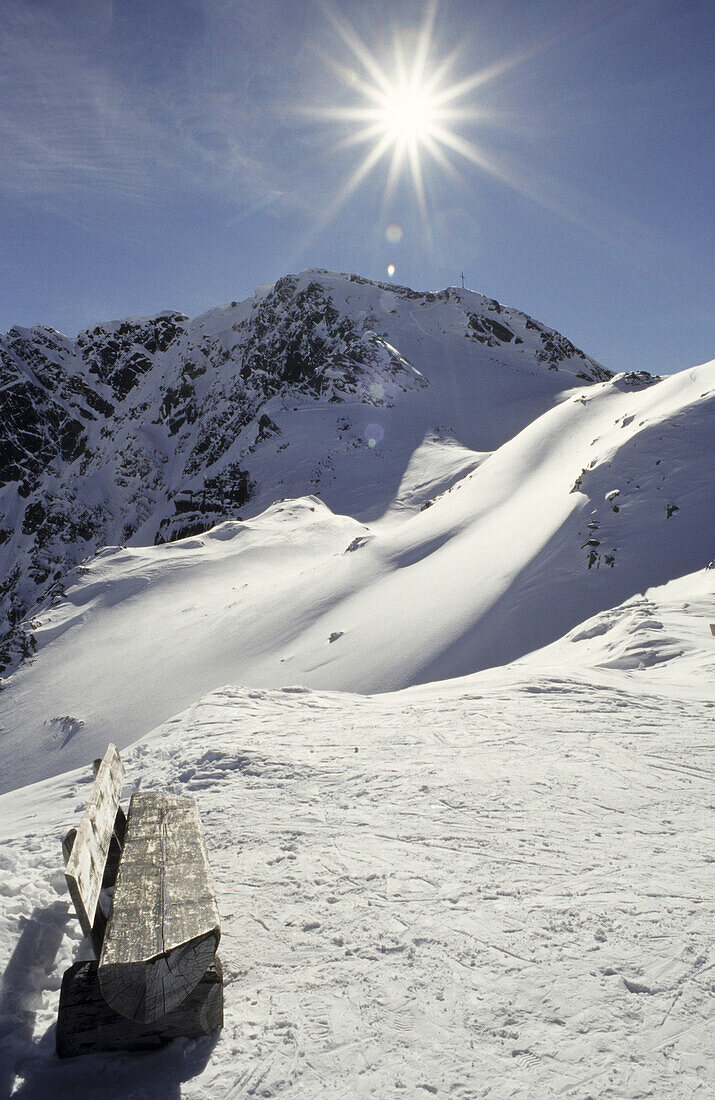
(408, 114)
(405, 112)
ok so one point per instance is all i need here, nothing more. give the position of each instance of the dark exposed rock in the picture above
(197, 510)
(266, 427)
(360, 540)
(34, 516)
(637, 379)
(120, 354)
(490, 331)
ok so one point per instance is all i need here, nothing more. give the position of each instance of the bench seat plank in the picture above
(164, 927)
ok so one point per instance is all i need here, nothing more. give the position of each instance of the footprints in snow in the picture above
(526, 1059)
(214, 767)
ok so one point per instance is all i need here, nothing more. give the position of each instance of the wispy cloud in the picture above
(74, 126)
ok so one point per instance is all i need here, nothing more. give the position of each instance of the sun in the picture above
(414, 118)
(406, 112)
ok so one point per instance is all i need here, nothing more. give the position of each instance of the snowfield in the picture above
(447, 708)
(500, 890)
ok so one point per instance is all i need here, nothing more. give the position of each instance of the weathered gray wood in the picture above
(115, 848)
(86, 1024)
(68, 844)
(164, 926)
(98, 926)
(88, 850)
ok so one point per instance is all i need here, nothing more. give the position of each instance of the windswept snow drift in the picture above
(661, 639)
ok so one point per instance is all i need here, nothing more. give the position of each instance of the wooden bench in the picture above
(155, 976)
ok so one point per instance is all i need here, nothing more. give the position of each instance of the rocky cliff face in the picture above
(150, 430)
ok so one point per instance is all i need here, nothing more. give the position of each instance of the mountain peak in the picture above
(146, 430)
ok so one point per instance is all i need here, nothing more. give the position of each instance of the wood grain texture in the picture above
(86, 1024)
(164, 927)
(88, 850)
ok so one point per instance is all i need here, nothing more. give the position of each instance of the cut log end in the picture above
(87, 1025)
(146, 991)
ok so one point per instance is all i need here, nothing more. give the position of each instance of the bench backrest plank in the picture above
(164, 927)
(85, 866)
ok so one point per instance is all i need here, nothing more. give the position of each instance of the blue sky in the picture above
(174, 155)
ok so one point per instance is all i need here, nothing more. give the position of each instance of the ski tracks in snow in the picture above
(502, 895)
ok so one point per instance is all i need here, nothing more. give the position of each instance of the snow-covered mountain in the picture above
(145, 431)
(470, 502)
(415, 599)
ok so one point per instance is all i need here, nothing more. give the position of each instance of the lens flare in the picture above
(374, 434)
(390, 270)
(394, 233)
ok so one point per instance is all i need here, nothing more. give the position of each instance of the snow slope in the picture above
(500, 891)
(603, 496)
(661, 639)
